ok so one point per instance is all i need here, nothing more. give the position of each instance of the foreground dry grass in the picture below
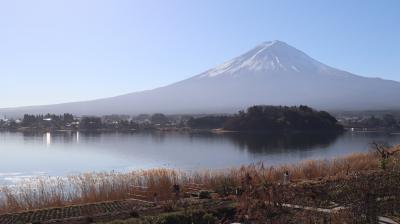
(96, 187)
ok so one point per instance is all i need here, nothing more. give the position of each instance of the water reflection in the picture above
(47, 138)
(269, 143)
(84, 152)
(77, 136)
(252, 143)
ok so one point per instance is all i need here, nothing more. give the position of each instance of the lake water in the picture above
(64, 153)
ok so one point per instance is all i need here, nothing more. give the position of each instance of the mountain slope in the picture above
(271, 73)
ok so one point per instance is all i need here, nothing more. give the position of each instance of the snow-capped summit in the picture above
(269, 57)
(273, 73)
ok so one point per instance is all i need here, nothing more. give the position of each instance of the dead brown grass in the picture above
(96, 187)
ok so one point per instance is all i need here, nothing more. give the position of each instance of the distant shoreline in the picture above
(181, 130)
(194, 130)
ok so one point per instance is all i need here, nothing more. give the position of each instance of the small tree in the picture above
(384, 152)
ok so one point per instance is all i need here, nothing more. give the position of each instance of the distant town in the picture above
(52, 122)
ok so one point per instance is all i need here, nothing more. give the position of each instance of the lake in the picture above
(25, 155)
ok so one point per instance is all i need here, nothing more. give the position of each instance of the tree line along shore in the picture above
(254, 119)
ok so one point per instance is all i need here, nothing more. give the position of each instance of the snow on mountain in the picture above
(269, 58)
(271, 73)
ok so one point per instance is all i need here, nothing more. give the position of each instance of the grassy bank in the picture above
(96, 187)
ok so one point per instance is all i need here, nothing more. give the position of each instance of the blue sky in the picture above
(61, 51)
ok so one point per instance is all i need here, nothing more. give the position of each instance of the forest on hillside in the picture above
(271, 118)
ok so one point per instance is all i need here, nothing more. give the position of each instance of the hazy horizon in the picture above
(68, 51)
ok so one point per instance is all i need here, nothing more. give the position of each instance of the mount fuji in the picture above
(272, 73)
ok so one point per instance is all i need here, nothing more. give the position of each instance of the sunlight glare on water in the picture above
(47, 138)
